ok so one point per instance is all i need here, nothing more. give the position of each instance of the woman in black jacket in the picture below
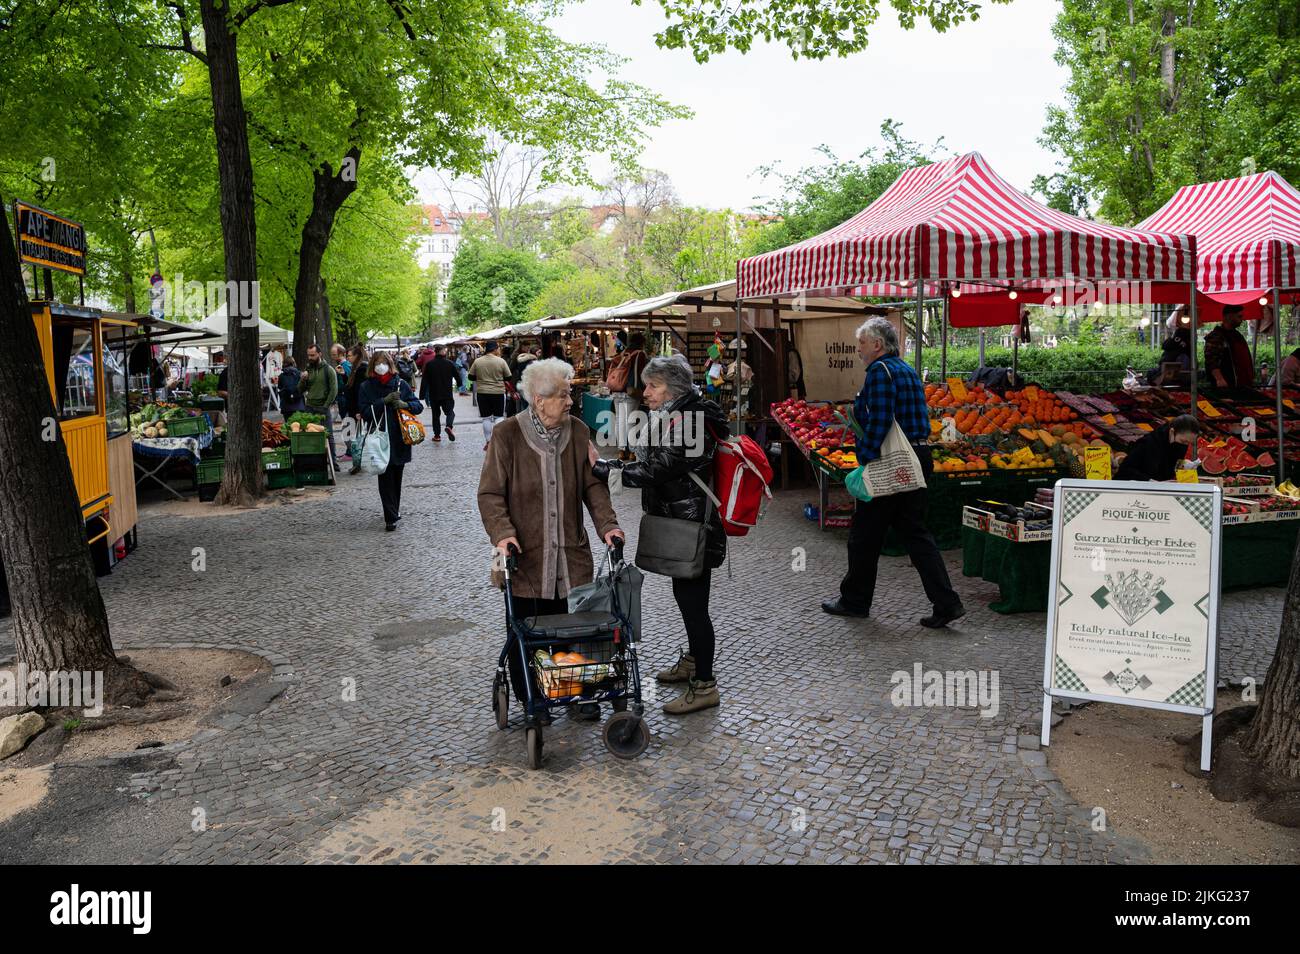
(681, 442)
(379, 397)
(1156, 456)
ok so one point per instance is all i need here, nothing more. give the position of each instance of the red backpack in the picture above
(741, 475)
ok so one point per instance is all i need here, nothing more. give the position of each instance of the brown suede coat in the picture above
(536, 494)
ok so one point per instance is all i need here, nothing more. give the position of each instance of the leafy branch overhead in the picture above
(812, 29)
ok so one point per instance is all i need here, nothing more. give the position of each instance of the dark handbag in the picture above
(671, 547)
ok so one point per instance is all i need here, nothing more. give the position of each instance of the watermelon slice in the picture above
(1266, 460)
(1213, 464)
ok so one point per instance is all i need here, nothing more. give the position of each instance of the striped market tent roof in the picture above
(1247, 233)
(958, 220)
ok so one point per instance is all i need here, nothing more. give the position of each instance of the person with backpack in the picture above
(380, 396)
(675, 451)
(289, 384)
(624, 382)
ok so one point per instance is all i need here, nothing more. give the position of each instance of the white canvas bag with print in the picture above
(897, 470)
(375, 447)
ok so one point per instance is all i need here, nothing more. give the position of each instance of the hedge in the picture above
(1067, 367)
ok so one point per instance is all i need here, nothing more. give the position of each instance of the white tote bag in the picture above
(897, 470)
(374, 447)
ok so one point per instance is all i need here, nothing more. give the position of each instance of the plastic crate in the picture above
(313, 478)
(208, 492)
(210, 471)
(277, 459)
(187, 426)
(303, 444)
(277, 479)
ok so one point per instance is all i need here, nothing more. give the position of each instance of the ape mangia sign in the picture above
(1134, 611)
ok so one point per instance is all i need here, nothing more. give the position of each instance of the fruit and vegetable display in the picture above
(819, 429)
(1229, 455)
(301, 421)
(151, 420)
(272, 436)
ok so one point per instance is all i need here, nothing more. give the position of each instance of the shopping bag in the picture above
(896, 471)
(412, 429)
(375, 448)
(619, 586)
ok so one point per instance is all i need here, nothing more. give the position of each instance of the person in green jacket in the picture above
(319, 390)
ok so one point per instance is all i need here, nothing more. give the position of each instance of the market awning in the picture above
(218, 321)
(959, 221)
(124, 328)
(1247, 234)
(720, 297)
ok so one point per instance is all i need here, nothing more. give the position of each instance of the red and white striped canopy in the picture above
(958, 220)
(1247, 233)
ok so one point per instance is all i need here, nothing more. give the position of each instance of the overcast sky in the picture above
(982, 86)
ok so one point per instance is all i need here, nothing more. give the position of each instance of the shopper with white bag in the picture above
(893, 426)
(384, 453)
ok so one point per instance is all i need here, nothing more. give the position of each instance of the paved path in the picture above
(806, 760)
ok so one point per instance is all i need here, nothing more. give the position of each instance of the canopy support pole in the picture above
(740, 428)
(1015, 353)
(920, 320)
(1195, 368)
(1277, 376)
(943, 354)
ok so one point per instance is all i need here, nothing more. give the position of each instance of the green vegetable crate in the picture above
(277, 459)
(310, 478)
(312, 470)
(302, 443)
(187, 426)
(210, 471)
(277, 479)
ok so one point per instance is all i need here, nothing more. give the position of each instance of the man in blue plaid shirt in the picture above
(892, 391)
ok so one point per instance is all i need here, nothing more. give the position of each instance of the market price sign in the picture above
(48, 240)
(1133, 616)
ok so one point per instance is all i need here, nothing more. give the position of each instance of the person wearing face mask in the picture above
(380, 396)
(1156, 456)
(1227, 356)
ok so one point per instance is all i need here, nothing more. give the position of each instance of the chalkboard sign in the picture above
(50, 241)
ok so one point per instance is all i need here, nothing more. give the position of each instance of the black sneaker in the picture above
(837, 607)
(390, 527)
(942, 618)
(585, 711)
(451, 435)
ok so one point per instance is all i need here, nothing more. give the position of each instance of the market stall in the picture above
(957, 234)
(1248, 245)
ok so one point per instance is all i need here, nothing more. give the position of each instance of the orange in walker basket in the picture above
(562, 674)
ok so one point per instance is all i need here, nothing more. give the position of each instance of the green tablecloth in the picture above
(1254, 554)
(949, 495)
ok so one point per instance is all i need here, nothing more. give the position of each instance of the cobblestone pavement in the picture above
(806, 760)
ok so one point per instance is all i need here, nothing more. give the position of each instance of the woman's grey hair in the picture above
(674, 373)
(882, 330)
(545, 378)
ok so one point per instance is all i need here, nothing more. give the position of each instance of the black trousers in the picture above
(693, 600)
(390, 492)
(526, 607)
(440, 406)
(906, 514)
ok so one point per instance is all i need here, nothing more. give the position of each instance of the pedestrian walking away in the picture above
(663, 468)
(381, 395)
(536, 479)
(489, 374)
(289, 383)
(438, 389)
(320, 391)
(892, 391)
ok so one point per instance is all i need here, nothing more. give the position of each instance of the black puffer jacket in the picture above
(661, 471)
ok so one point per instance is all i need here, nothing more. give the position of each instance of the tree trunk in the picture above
(324, 327)
(1168, 26)
(329, 192)
(1273, 738)
(59, 617)
(128, 282)
(242, 483)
